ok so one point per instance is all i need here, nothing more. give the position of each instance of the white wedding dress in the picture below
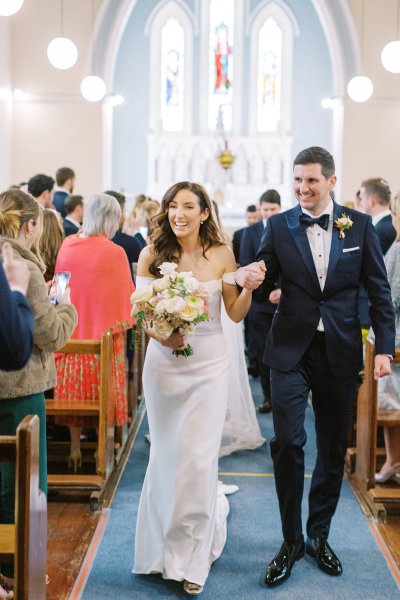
(181, 523)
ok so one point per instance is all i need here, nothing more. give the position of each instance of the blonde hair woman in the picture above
(22, 391)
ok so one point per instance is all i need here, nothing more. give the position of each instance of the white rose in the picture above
(191, 284)
(163, 329)
(161, 284)
(142, 295)
(167, 268)
(174, 305)
(189, 313)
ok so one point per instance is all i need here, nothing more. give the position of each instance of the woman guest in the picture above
(22, 391)
(181, 524)
(101, 286)
(389, 387)
(50, 241)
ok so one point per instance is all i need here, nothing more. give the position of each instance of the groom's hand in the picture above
(381, 366)
(251, 276)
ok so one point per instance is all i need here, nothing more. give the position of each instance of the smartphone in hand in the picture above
(59, 285)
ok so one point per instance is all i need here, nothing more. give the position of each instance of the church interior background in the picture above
(192, 84)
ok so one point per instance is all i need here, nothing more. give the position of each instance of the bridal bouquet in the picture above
(176, 303)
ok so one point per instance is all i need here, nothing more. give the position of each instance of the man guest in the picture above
(252, 217)
(315, 344)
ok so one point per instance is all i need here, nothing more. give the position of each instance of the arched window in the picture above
(272, 27)
(269, 76)
(172, 75)
(220, 83)
(170, 27)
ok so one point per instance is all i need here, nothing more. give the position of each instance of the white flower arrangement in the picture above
(176, 302)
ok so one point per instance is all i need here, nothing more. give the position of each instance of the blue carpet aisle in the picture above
(254, 535)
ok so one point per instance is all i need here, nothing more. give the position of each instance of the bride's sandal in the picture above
(194, 589)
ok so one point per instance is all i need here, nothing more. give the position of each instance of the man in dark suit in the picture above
(16, 319)
(74, 209)
(252, 217)
(261, 313)
(315, 344)
(375, 200)
(65, 180)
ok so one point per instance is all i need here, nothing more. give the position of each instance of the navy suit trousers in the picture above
(333, 399)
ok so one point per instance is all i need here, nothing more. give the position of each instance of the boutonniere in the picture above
(343, 224)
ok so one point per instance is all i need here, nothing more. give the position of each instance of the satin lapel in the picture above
(300, 237)
(336, 244)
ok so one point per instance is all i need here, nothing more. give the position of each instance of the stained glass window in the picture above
(172, 75)
(221, 62)
(269, 76)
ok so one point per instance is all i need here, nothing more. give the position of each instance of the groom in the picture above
(321, 252)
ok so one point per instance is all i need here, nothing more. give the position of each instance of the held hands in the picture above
(16, 271)
(381, 366)
(251, 276)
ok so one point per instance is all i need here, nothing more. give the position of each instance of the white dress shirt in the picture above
(320, 245)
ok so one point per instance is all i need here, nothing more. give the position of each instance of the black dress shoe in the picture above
(265, 408)
(281, 565)
(325, 557)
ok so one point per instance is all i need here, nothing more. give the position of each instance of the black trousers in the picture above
(259, 326)
(333, 403)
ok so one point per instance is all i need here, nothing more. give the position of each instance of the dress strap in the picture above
(229, 278)
(142, 282)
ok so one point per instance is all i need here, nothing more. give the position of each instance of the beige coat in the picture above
(53, 327)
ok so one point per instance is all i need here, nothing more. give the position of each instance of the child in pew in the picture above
(389, 387)
(22, 391)
(101, 287)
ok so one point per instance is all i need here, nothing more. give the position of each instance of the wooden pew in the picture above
(369, 417)
(102, 408)
(24, 543)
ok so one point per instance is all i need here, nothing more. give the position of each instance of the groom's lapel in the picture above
(300, 237)
(337, 243)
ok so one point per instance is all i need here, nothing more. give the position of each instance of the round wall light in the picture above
(360, 88)
(390, 57)
(62, 53)
(10, 7)
(93, 88)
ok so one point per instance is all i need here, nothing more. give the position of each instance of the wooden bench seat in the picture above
(25, 542)
(369, 417)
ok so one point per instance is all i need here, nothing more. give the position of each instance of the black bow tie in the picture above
(322, 221)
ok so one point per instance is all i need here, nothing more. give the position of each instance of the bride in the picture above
(181, 524)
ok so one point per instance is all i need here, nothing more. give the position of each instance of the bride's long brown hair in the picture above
(165, 242)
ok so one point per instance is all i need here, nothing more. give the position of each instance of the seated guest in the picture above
(127, 242)
(135, 223)
(16, 320)
(252, 217)
(389, 387)
(50, 241)
(101, 287)
(73, 208)
(65, 180)
(22, 391)
(41, 187)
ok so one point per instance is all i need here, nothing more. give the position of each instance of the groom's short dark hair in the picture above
(317, 155)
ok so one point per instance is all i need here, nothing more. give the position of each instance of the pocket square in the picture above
(351, 249)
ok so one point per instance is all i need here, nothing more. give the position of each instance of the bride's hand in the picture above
(176, 341)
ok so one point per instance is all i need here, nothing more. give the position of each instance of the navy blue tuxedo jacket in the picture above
(16, 327)
(59, 199)
(386, 232)
(69, 228)
(249, 246)
(286, 251)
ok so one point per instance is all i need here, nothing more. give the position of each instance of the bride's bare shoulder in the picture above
(146, 257)
(224, 256)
